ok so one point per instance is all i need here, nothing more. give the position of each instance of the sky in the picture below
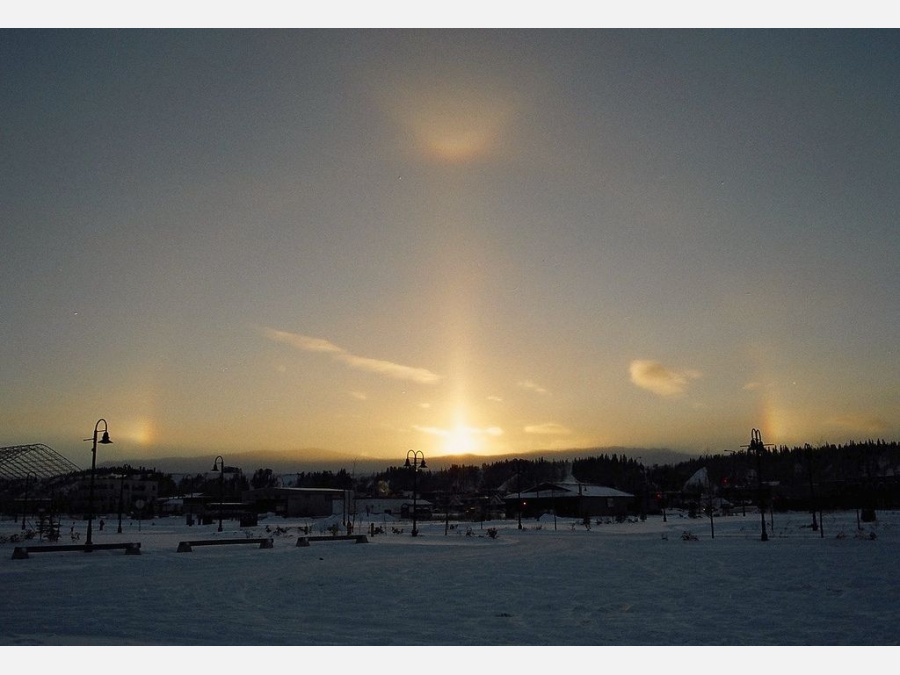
(353, 243)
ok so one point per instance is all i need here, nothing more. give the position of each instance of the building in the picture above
(569, 499)
(133, 493)
(300, 502)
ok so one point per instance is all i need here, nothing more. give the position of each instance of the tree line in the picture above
(846, 473)
(854, 463)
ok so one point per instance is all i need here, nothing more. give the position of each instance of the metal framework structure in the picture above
(39, 460)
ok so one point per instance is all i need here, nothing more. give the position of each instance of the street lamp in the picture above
(415, 460)
(734, 491)
(712, 526)
(643, 513)
(812, 495)
(105, 441)
(757, 446)
(660, 491)
(121, 494)
(25, 502)
(219, 462)
(519, 492)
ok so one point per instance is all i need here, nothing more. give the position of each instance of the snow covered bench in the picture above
(187, 546)
(358, 538)
(22, 552)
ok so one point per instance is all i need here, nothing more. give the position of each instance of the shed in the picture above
(300, 502)
(569, 498)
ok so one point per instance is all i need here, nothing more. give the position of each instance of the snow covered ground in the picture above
(616, 584)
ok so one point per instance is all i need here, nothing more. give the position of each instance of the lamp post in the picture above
(658, 484)
(518, 492)
(812, 495)
(643, 514)
(734, 490)
(415, 460)
(756, 445)
(219, 462)
(553, 502)
(816, 526)
(733, 481)
(25, 502)
(105, 441)
(121, 492)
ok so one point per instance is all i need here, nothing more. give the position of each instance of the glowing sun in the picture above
(461, 440)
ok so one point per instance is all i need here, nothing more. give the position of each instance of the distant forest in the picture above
(840, 470)
(855, 475)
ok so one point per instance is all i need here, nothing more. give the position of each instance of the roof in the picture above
(42, 461)
(700, 479)
(570, 489)
(391, 501)
(286, 491)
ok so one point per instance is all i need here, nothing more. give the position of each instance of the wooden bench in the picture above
(187, 546)
(22, 552)
(358, 538)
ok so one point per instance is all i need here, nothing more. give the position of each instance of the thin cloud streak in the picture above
(304, 342)
(660, 379)
(547, 428)
(532, 386)
(394, 370)
(381, 367)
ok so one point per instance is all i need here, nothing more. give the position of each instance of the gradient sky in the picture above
(362, 242)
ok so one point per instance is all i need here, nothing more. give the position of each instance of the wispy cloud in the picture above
(662, 380)
(860, 423)
(547, 428)
(394, 370)
(304, 342)
(387, 368)
(532, 386)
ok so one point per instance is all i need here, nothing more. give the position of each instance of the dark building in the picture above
(570, 499)
(300, 502)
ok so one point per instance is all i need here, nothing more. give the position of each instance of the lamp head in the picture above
(406, 464)
(105, 440)
(422, 463)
